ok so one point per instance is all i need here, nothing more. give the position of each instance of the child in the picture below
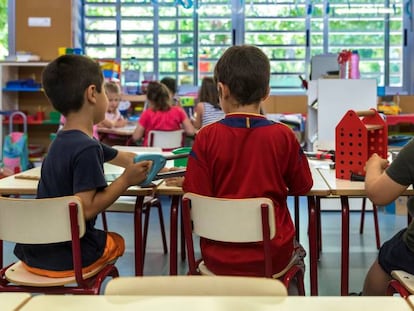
(161, 115)
(245, 155)
(208, 109)
(171, 84)
(74, 166)
(383, 184)
(113, 117)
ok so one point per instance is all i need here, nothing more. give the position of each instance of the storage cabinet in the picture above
(42, 119)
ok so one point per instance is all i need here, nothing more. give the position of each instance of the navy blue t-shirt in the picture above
(74, 163)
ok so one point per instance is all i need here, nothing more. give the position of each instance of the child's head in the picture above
(208, 92)
(66, 79)
(171, 84)
(113, 92)
(159, 96)
(245, 71)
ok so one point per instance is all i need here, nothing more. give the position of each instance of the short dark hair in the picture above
(171, 83)
(66, 78)
(245, 69)
(159, 96)
(208, 92)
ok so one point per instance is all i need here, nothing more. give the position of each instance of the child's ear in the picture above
(91, 93)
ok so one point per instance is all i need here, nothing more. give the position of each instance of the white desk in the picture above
(13, 301)
(213, 303)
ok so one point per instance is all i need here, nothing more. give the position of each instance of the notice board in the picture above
(42, 26)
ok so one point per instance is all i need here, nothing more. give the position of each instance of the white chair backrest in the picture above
(186, 285)
(35, 221)
(165, 139)
(230, 220)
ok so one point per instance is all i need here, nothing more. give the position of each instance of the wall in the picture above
(43, 41)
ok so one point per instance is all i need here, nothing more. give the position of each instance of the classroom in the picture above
(331, 187)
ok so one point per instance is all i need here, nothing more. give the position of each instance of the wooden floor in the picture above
(362, 247)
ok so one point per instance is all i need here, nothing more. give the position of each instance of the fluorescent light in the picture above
(364, 10)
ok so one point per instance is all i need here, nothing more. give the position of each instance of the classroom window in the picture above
(185, 38)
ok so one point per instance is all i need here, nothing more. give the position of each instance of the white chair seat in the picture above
(17, 274)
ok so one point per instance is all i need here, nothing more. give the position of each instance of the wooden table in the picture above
(120, 133)
(13, 301)
(126, 130)
(344, 189)
(212, 303)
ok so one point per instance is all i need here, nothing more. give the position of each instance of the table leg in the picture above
(313, 246)
(345, 247)
(139, 254)
(297, 221)
(175, 200)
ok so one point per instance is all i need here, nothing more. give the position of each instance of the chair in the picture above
(167, 140)
(211, 218)
(126, 204)
(194, 285)
(402, 283)
(39, 221)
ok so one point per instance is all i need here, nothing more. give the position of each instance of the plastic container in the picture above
(132, 74)
(354, 66)
(181, 162)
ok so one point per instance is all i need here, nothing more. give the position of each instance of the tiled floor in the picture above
(362, 247)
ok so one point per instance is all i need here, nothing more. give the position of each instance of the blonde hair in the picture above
(112, 87)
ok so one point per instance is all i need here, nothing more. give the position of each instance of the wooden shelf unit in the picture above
(30, 101)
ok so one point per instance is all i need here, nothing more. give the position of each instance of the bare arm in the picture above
(138, 133)
(198, 115)
(379, 187)
(123, 158)
(106, 123)
(188, 127)
(94, 202)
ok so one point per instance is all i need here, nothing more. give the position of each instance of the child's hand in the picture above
(174, 181)
(136, 173)
(375, 162)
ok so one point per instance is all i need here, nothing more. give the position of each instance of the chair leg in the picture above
(297, 220)
(376, 227)
(395, 287)
(295, 273)
(147, 212)
(361, 225)
(161, 218)
(104, 222)
(377, 233)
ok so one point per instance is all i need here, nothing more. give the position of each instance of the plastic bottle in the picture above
(132, 75)
(354, 66)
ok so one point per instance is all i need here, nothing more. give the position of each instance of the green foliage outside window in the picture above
(4, 50)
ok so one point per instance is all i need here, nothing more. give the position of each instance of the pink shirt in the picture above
(170, 120)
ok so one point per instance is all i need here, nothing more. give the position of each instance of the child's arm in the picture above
(106, 123)
(95, 202)
(138, 132)
(123, 158)
(188, 127)
(198, 115)
(121, 122)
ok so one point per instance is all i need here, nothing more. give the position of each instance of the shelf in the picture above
(34, 122)
(22, 89)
